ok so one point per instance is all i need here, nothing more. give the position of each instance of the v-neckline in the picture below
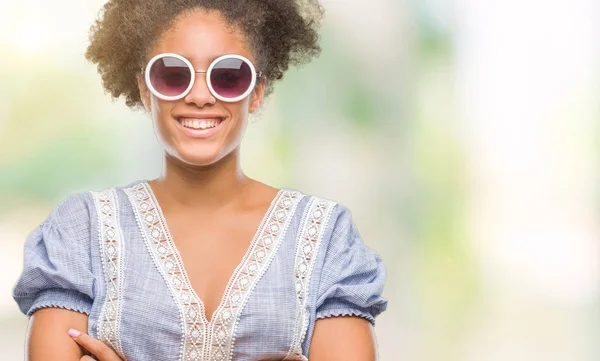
(235, 273)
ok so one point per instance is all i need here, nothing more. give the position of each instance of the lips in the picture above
(199, 117)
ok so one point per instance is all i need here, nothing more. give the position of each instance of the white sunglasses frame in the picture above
(193, 77)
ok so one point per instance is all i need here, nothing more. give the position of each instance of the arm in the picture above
(350, 278)
(343, 339)
(56, 287)
(53, 336)
(47, 338)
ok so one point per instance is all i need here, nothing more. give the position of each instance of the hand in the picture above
(96, 347)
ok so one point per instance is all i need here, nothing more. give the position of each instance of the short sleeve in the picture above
(352, 276)
(57, 262)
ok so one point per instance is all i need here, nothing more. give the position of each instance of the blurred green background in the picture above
(461, 134)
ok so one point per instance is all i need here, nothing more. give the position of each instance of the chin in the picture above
(199, 159)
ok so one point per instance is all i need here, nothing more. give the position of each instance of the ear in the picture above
(144, 92)
(256, 97)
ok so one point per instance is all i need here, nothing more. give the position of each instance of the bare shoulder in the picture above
(259, 195)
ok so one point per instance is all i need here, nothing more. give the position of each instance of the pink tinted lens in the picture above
(170, 76)
(230, 78)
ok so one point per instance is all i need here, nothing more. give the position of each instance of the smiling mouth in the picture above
(200, 124)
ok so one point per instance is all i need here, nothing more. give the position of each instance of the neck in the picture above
(211, 187)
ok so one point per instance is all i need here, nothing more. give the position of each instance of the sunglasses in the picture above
(230, 77)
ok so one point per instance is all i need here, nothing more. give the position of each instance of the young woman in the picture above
(202, 263)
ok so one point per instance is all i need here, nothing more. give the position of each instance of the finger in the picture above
(96, 347)
(87, 358)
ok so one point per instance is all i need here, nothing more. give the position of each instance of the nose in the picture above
(200, 95)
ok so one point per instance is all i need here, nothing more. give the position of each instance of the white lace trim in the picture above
(111, 247)
(261, 253)
(166, 260)
(204, 340)
(318, 213)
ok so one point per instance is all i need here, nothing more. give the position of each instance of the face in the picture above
(201, 37)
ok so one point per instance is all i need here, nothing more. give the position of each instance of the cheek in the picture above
(239, 113)
(161, 114)
(241, 109)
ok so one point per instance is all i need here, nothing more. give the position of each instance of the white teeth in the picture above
(199, 124)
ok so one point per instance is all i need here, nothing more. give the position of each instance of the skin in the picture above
(202, 186)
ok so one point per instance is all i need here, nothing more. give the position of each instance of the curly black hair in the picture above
(281, 33)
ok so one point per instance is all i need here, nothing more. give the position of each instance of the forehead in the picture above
(202, 36)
